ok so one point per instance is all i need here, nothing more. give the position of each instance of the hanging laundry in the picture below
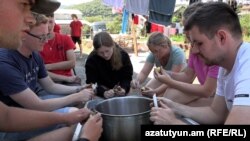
(135, 19)
(156, 28)
(114, 3)
(148, 26)
(137, 6)
(125, 18)
(161, 11)
(116, 10)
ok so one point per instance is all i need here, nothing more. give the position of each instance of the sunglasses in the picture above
(42, 38)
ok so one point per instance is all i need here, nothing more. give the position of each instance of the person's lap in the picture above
(17, 136)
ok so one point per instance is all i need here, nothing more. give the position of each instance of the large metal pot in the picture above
(123, 117)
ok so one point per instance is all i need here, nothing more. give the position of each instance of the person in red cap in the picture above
(13, 119)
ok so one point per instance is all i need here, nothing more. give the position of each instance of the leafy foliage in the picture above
(244, 21)
(115, 25)
(178, 38)
(94, 8)
(178, 14)
(95, 11)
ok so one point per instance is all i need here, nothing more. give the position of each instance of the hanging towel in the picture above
(137, 6)
(161, 11)
(125, 17)
(136, 19)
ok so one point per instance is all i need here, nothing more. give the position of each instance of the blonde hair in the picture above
(158, 39)
(40, 19)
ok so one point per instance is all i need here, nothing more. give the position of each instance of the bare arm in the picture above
(92, 128)
(215, 114)
(28, 99)
(177, 68)
(56, 88)
(30, 120)
(205, 90)
(63, 78)
(58, 78)
(187, 75)
(69, 64)
(239, 115)
(142, 76)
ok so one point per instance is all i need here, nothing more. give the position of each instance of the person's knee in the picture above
(153, 83)
(178, 96)
(171, 94)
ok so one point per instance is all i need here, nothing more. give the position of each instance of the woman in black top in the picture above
(109, 67)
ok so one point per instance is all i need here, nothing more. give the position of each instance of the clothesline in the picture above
(158, 11)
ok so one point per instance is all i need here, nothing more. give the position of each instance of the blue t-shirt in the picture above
(177, 57)
(18, 73)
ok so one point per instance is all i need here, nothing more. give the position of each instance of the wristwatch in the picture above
(82, 139)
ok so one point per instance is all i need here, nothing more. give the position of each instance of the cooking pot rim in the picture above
(128, 97)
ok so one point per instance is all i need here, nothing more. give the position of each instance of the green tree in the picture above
(95, 11)
(244, 21)
(115, 25)
(94, 8)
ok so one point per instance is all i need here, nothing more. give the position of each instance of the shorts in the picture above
(76, 39)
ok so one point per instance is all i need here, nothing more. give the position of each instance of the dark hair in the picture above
(191, 9)
(74, 16)
(104, 39)
(188, 11)
(158, 39)
(211, 17)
